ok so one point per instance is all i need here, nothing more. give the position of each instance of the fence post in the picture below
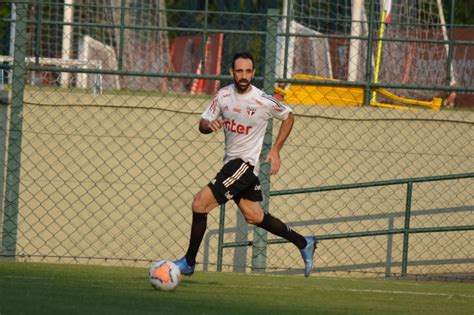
(406, 229)
(220, 239)
(14, 144)
(3, 143)
(259, 249)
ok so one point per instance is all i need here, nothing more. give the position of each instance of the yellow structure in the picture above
(298, 93)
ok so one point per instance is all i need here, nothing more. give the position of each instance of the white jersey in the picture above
(245, 118)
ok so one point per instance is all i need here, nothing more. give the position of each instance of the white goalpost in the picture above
(450, 99)
(67, 40)
(93, 53)
(95, 78)
(83, 35)
(357, 25)
(307, 53)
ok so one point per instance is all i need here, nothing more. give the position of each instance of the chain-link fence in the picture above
(100, 153)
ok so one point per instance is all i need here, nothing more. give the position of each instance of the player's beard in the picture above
(242, 85)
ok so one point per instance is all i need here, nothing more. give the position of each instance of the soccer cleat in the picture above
(307, 253)
(185, 269)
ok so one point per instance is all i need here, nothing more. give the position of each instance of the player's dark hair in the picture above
(244, 55)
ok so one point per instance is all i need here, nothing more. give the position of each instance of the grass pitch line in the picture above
(403, 292)
(361, 291)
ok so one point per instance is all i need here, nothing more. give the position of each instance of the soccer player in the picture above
(243, 111)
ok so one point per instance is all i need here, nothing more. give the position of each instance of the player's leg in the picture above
(203, 203)
(218, 191)
(253, 213)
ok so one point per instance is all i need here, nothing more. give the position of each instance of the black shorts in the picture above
(236, 180)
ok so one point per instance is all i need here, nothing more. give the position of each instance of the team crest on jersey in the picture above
(251, 110)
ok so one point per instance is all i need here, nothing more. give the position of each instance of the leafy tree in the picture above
(463, 11)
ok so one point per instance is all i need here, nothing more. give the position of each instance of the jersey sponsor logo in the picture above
(226, 95)
(237, 110)
(257, 188)
(233, 126)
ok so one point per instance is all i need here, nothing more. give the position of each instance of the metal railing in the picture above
(406, 230)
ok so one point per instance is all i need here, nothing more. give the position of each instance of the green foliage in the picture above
(463, 11)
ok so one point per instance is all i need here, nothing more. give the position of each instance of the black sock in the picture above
(198, 228)
(275, 226)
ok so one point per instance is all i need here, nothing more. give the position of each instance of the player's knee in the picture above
(203, 202)
(252, 221)
(198, 205)
(254, 218)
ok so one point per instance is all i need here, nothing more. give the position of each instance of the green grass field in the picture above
(39, 288)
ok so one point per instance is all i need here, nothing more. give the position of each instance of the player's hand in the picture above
(216, 125)
(274, 158)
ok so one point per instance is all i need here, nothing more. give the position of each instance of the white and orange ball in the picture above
(164, 275)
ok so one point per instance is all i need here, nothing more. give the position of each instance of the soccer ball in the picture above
(164, 275)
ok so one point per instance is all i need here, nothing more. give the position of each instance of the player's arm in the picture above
(206, 126)
(274, 154)
(211, 120)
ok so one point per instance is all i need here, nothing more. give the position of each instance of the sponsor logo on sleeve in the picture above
(276, 104)
(214, 105)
